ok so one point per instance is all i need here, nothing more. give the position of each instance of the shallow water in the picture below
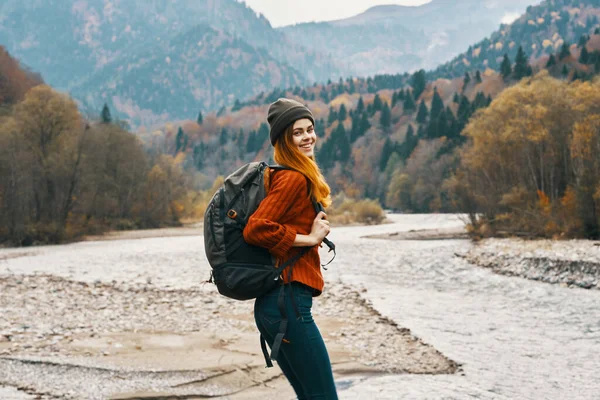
(516, 339)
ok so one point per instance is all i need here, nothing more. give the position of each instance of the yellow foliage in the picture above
(522, 148)
(544, 203)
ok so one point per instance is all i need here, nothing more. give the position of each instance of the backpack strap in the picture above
(318, 208)
(276, 346)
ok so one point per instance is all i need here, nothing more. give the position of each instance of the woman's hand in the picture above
(320, 228)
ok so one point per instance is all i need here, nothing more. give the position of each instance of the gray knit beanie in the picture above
(283, 113)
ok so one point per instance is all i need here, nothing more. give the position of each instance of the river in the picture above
(515, 338)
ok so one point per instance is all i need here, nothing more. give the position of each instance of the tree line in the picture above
(63, 175)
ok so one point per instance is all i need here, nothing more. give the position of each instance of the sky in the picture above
(288, 12)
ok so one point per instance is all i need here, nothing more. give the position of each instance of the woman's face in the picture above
(304, 136)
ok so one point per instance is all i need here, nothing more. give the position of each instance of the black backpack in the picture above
(240, 270)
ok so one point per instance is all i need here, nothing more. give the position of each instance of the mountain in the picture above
(542, 30)
(392, 39)
(371, 128)
(79, 45)
(200, 69)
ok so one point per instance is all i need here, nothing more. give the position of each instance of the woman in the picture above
(285, 223)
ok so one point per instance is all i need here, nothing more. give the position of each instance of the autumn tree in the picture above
(531, 159)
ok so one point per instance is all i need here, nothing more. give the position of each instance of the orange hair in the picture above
(288, 155)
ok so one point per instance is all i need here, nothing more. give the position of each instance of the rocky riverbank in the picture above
(570, 262)
(61, 338)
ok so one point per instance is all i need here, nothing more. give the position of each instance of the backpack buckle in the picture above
(232, 214)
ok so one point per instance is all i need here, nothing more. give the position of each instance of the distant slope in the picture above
(76, 43)
(393, 39)
(200, 69)
(541, 30)
(368, 127)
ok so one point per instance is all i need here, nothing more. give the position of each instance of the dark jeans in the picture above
(303, 356)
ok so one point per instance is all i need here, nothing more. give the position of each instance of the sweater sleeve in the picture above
(265, 227)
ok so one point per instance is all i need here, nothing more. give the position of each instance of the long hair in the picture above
(288, 155)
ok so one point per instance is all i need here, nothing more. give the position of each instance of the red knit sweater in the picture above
(285, 211)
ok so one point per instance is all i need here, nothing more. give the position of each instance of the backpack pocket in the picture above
(243, 281)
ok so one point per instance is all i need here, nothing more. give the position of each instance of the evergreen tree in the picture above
(565, 51)
(409, 103)
(106, 118)
(236, 106)
(521, 64)
(466, 80)
(418, 83)
(377, 103)
(360, 106)
(437, 104)
(251, 143)
(452, 124)
(324, 96)
(597, 31)
(480, 101)
(575, 76)
(343, 114)
(478, 77)
(351, 86)
(320, 127)
(584, 57)
(385, 118)
(199, 120)
(364, 123)
(332, 116)
(223, 137)
(551, 61)
(505, 68)
(423, 113)
(456, 98)
(442, 124)
(342, 143)
(565, 71)
(464, 112)
(386, 152)
(583, 39)
(179, 139)
(262, 135)
(409, 144)
(326, 154)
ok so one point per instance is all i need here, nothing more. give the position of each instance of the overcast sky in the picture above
(287, 12)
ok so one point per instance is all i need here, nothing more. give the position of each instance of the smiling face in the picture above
(304, 136)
